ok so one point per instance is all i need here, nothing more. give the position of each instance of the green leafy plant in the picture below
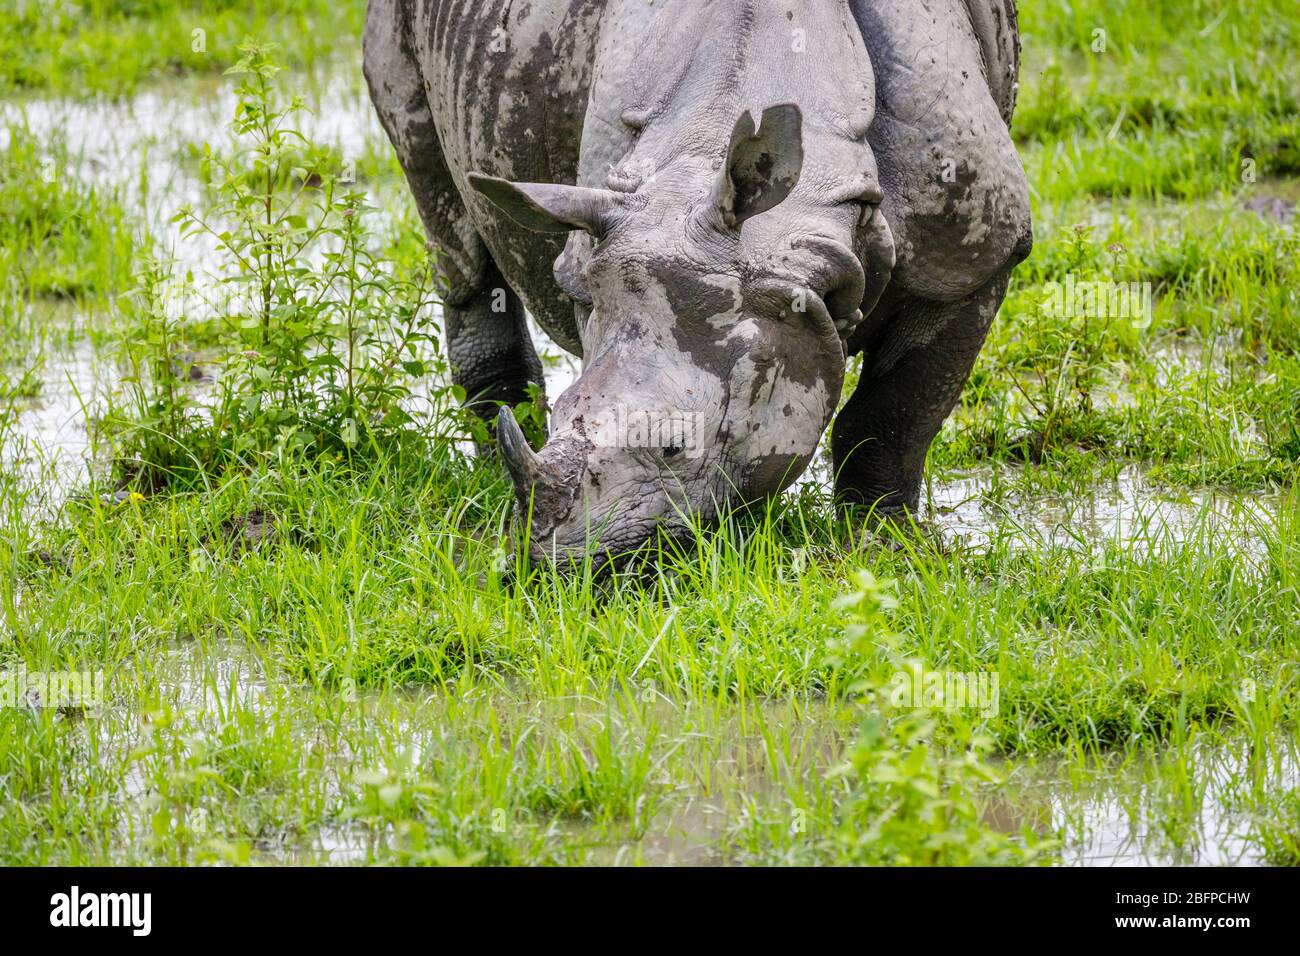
(916, 775)
(320, 341)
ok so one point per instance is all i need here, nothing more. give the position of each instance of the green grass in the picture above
(86, 47)
(379, 622)
(59, 235)
(1206, 394)
(65, 245)
(1163, 98)
(333, 658)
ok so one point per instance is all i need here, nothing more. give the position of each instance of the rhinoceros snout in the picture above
(546, 484)
(577, 500)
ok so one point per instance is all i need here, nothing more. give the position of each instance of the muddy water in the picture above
(1129, 510)
(49, 447)
(714, 771)
(988, 506)
(1149, 811)
(140, 147)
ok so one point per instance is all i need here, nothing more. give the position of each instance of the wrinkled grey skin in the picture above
(714, 203)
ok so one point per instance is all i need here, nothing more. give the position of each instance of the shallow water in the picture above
(137, 147)
(49, 447)
(1140, 812)
(1129, 511)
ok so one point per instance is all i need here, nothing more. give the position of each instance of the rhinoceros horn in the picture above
(546, 484)
(525, 467)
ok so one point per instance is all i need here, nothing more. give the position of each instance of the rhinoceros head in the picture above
(715, 298)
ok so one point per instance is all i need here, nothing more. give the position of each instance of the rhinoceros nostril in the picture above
(837, 277)
(843, 301)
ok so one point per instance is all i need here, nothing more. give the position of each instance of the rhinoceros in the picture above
(715, 204)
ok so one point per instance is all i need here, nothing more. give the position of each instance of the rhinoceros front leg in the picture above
(488, 344)
(911, 379)
(490, 348)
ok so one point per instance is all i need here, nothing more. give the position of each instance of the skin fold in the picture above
(714, 204)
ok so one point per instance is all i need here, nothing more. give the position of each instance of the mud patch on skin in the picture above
(690, 296)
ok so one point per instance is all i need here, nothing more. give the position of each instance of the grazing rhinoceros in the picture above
(714, 203)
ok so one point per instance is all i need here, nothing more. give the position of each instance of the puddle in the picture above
(49, 448)
(708, 774)
(977, 511)
(1149, 812)
(992, 505)
(137, 147)
(216, 678)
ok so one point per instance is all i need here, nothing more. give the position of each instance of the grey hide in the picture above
(714, 203)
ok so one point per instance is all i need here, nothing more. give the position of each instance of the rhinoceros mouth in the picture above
(609, 552)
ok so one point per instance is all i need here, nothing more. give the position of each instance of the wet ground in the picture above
(1110, 813)
(1135, 811)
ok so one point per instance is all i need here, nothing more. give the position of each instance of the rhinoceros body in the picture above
(715, 203)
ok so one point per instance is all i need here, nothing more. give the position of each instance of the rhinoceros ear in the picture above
(763, 165)
(552, 208)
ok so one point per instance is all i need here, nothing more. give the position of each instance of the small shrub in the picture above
(320, 343)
